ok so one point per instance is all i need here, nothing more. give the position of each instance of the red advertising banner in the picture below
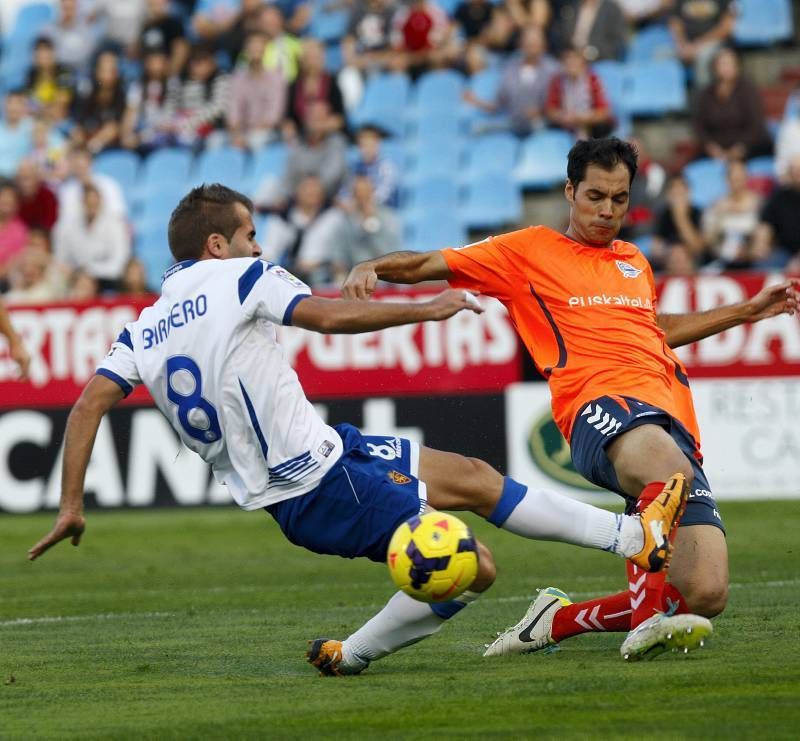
(469, 353)
(768, 348)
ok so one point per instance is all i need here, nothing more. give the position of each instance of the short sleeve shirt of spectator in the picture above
(159, 35)
(700, 16)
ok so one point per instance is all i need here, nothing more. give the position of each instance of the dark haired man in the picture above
(207, 351)
(583, 303)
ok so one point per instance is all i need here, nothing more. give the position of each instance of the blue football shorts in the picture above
(604, 419)
(360, 501)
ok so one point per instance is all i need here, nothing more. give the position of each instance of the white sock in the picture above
(400, 623)
(544, 515)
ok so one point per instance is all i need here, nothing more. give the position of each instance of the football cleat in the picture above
(658, 519)
(326, 655)
(660, 633)
(533, 632)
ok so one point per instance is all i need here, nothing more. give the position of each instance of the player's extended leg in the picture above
(402, 622)
(455, 482)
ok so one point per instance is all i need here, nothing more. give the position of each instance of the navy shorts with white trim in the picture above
(360, 501)
(607, 417)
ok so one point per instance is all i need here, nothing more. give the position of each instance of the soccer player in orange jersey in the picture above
(584, 304)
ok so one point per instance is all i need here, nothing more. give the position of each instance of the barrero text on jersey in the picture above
(180, 314)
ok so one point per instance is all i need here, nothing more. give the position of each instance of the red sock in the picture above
(611, 613)
(648, 592)
(673, 602)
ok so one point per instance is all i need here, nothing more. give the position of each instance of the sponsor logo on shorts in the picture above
(601, 420)
(398, 478)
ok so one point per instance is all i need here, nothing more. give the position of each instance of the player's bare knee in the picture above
(484, 485)
(706, 599)
(487, 571)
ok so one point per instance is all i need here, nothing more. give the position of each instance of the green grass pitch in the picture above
(193, 623)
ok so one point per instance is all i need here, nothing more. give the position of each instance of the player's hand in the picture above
(68, 525)
(782, 298)
(21, 357)
(360, 284)
(452, 301)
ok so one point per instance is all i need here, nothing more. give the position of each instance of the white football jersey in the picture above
(208, 353)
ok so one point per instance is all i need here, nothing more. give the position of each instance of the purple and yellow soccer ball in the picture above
(433, 557)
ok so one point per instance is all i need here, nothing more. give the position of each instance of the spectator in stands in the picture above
(71, 196)
(258, 98)
(47, 79)
(200, 99)
(787, 145)
(730, 224)
(727, 115)
(13, 232)
(421, 35)
(576, 100)
(248, 20)
(83, 286)
(365, 230)
(283, 49)
(307, 227)
(645, 193)
(526, 13)
(474, 18)
(75, 35)
(38, 205)
(213, 19)
(366, 45)
(298, 13)
(16, 128)
(371, 164)
(596, 28)
(641, 13)
(777, 239)
(97, 241)
(319, 152)
(149, 113)
(678, 225)
(313, 84)
(525, 84)
(134, 279)
(164, 32)
(122, 22)
(34, 278)
(699, 28)
(48, 150)
(99, 113)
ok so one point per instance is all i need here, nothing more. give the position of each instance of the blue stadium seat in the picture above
(121, 165)
(268, 163)
(706, 178)
(225, 165)
(328, 25)
(434, 157)
(429, 230)
(437, 92)
(384, 103)
(30, 20)
(763, 22)
(438, 193)
(485, 84)
(543, 162)
(761, 167)
(655, 88)
(437, 124)
(163, 174)
(651, 43)
(493, 200)
(495, 153)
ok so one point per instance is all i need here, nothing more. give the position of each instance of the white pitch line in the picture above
(80, 618)
(150, 615)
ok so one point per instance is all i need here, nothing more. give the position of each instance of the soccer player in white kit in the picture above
(207, 351)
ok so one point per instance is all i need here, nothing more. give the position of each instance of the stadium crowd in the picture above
(273, 98)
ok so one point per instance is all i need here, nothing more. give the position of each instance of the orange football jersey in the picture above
(586, 315)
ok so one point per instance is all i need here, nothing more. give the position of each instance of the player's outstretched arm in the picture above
(343, 316)
(396, 267)
(682, 329)
(97, 398)
(16, 348)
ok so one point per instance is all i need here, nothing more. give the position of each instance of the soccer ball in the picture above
(433, 557)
